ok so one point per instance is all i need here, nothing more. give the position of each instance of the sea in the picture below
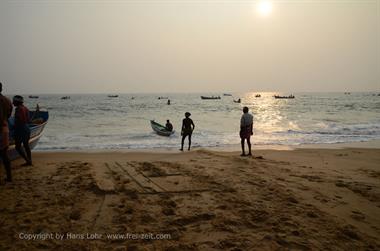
(99, 122)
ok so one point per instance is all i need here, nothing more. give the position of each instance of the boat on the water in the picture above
(66, 97)
(163, 97)
(210, 97)
(237, 101)
(284, 97)
(37, 125)
(113, 96)
(258, 95)
(160, 129)
(33, 96)
(227, 94)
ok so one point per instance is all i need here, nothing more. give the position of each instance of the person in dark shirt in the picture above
(169, 126)
(22, 131)
(187, 129)
(5, 112)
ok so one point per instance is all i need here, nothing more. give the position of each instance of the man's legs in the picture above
(20, 150)
(27, 151)
(249, 146)
(242, 147)
(189, 142)
(183, 141)
(7, 163)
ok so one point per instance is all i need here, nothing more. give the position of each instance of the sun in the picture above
(264, 7)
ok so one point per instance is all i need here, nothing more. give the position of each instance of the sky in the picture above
(131, 46)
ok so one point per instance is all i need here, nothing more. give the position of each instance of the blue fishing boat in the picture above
(39, 120)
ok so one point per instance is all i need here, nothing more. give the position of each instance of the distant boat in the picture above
(227, 94)
(347, 93)
(33, 96)
(258, 95)
(39, 121)
(160, 129)
(66, 97)
(162, 97)
(210, 97)
(237, 101)
(284, 97)
(113, 96)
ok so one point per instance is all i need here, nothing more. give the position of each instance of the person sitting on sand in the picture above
(22, 130)
(187, 129)
(246, 130)
(5, 113)
(169, 126)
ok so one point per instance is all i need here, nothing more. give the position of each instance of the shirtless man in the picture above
(187, 129)
(5, 113)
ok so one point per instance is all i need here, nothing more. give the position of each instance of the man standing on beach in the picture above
(5, 113)
(246, 130)
(187, 129)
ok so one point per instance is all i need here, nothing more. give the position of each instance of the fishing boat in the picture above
(160, 129)
(227, 94)
(33, 96)
(237, 101)
(113, 96)
(66, 97)
(163, 97)
(210, 97)
(39, 121)
(258, 95)
(284, 97)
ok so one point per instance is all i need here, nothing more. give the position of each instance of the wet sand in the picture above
(306, 199)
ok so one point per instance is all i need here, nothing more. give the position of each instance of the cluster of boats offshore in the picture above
(291, 96)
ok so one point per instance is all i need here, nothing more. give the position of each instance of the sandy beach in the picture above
(305, 199)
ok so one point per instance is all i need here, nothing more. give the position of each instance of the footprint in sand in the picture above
(356, 215)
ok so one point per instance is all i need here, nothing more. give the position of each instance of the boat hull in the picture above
(160, 129)
(35, 133)
(209, 98)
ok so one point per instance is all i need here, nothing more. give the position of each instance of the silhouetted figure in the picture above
(187, 129)
(246, 130)
(169, 126)
(168, 101)
(22, 130)
(5, 113)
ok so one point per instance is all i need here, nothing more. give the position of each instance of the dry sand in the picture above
(307, 199)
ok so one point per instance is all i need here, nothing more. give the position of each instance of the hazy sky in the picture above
(189, 46)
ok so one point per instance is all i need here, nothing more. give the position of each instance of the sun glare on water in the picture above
(264, 8)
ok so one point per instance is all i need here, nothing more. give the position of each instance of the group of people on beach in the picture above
(246, 130)
(21, 130)
(19, 127)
